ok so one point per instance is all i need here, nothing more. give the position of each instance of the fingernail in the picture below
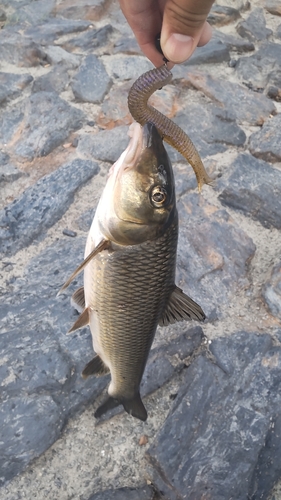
(178, 48)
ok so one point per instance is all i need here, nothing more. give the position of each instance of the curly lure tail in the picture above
(142, 112)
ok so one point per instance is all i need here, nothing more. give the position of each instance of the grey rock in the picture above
(33, 13)
(273, 6)
(57, 55)
(145, 493)
(244, 104)
(278, 32)
(212, 274)
(272, 291)
(240, 5)
(10, 121)
(41, 382)
(84, 9)
(222, 416)
(42, 204)
(211, 129)
(16, 49)
(92, 82)
(127, 45)
(125, 67)
(266, 143)
(221, 15)
(107, 145)
(48, 32)
(260, 68)
(30, 424)
(254, 27)
(55, 80)
(254, 187)
(48, 121)
(85, 220)
(3, 16)
(234, 43)
(87, 42)
(8, 172)
(214, 52)
(11, 85)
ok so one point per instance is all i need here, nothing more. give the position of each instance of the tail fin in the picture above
(135, 407)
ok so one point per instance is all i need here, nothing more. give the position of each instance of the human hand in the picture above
(182, 24)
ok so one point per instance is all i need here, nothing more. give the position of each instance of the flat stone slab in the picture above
(214, 52)
(55, 80)
(245, 105)
(107, 145)
(254, 187)
(261, 68)
(41, 374)
(125, 67)
(213, 254)
(46, 121)
(42, 204)
(11, 85)
(266, 143)
(219, 432)
(254, 27)
(272, 291)
(91, 82)
(145, 493)
(19, 50)
(89, 41)
(47, 32)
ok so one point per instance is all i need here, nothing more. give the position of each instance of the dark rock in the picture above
(145, 493)
(254, 187)
(274, 92)
(273, 6)
(33, 13)
(234, 43)
(213, 254)
(245, 105)
(211, 129)
(262, 67)
(41, 383)
(48, 32)
(254, 27)
(221, 15)
(55, 80)
(3, 16)
(57, 55)
(107, 145)
(92, 82)
(69, 232)
(87, 42)
(84, 9)
(48, 121)
(214, 52)
(223, 416)
(127, 45)
(266, 143)
(42, 204)
(16, 49)
(11, 85)
(272, 291)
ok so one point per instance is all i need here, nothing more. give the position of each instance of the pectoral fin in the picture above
(103, 245)
(82, 320)
(78, 299)
(180, 308)
(95, 367)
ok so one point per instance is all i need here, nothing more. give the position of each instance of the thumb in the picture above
(184, 27)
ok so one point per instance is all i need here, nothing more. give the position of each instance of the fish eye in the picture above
(158, 196)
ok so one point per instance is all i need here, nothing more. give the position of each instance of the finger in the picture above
(184, 27)
(145, 19)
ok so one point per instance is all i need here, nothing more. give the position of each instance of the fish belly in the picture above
(126, 290)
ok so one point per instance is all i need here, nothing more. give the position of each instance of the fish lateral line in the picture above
(103, 245)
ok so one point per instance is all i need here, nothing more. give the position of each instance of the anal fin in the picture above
(95, 367)
(180, 307)
(78, 300)
(82, 320)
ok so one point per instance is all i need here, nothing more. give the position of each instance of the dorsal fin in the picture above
(95, 367)
(180, 307)
(78, 299)
(82, 320)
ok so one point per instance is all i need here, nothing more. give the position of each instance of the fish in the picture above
(142, 112)
(129, 269)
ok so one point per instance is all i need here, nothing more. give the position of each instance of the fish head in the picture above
(142, 189)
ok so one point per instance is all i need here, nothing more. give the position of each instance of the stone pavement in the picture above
(212, 391)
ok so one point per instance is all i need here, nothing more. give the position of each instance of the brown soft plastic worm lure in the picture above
(143, 113)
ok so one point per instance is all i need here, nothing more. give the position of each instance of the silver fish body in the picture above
(129, 283)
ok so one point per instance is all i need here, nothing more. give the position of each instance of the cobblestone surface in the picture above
(213, 392)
